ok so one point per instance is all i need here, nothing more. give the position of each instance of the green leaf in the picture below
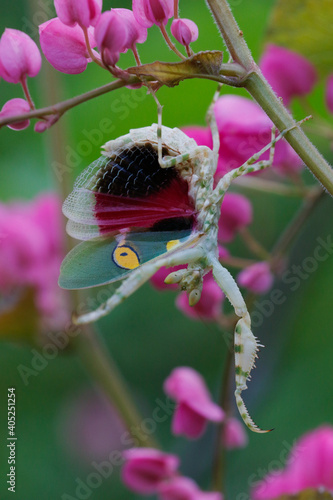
(305, 26)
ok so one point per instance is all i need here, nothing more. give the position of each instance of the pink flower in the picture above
(19, 56)
(329, 93)
(289, 73)
(149, 12)
(234, 434)
(146, 468)
(116, 31)
(209, 305)
(236, 213)
(110, 34)
(309, 466)
(16, 107)
(183, 488)
(83, 12)
(195, 407)
(158, 279)
(65, 48)
(31, 251)
(257, 278)
(185, 31)
(136, 33)
(244, 130)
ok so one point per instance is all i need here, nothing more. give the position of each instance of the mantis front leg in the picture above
(136, 279)
(246, 345)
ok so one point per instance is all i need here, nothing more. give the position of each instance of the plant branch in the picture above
(104, 371)
(262, 92)
(225, 403)
(169, 42)
(62, 107)
(296, 224)
(272, 187)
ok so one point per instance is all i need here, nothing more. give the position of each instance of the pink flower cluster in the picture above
(31, 251)
(309, 466)
(149, 471)
(67, 41)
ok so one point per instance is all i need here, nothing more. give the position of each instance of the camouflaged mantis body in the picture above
(197, 165)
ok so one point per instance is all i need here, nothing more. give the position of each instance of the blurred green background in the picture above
(59, 414)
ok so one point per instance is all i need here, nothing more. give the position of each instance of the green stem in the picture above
(105, 372)
(261, 91)
(89, 49)
(295, 225)
(225, 403)
(169, 42)
(253, 245)
(273, 187)
(27, 93)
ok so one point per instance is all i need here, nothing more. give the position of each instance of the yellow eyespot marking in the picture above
(171, 244)
(126, 257)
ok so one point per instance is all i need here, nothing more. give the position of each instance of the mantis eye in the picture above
(125, 257)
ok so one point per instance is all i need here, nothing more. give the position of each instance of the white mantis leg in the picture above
(136, 279)
(251, 165)
(246, 345)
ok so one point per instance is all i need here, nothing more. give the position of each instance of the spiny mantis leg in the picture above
(136, 279)
(251, 165)
(211, 122)
(246, 345)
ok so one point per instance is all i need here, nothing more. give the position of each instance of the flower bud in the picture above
(117, 31)
(149, 12)
(185, 31)
(65, 48)
(83, 12)
(19, 56)
(111, 35)
(145, 469)
(257, 278)
(16, 107)
(136, 33)
(195, 406)
(289, 73)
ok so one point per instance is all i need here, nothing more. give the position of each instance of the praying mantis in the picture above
(150, 202)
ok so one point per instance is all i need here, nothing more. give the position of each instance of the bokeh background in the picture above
(63, 424)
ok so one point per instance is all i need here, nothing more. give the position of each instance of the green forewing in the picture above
(91, 262)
